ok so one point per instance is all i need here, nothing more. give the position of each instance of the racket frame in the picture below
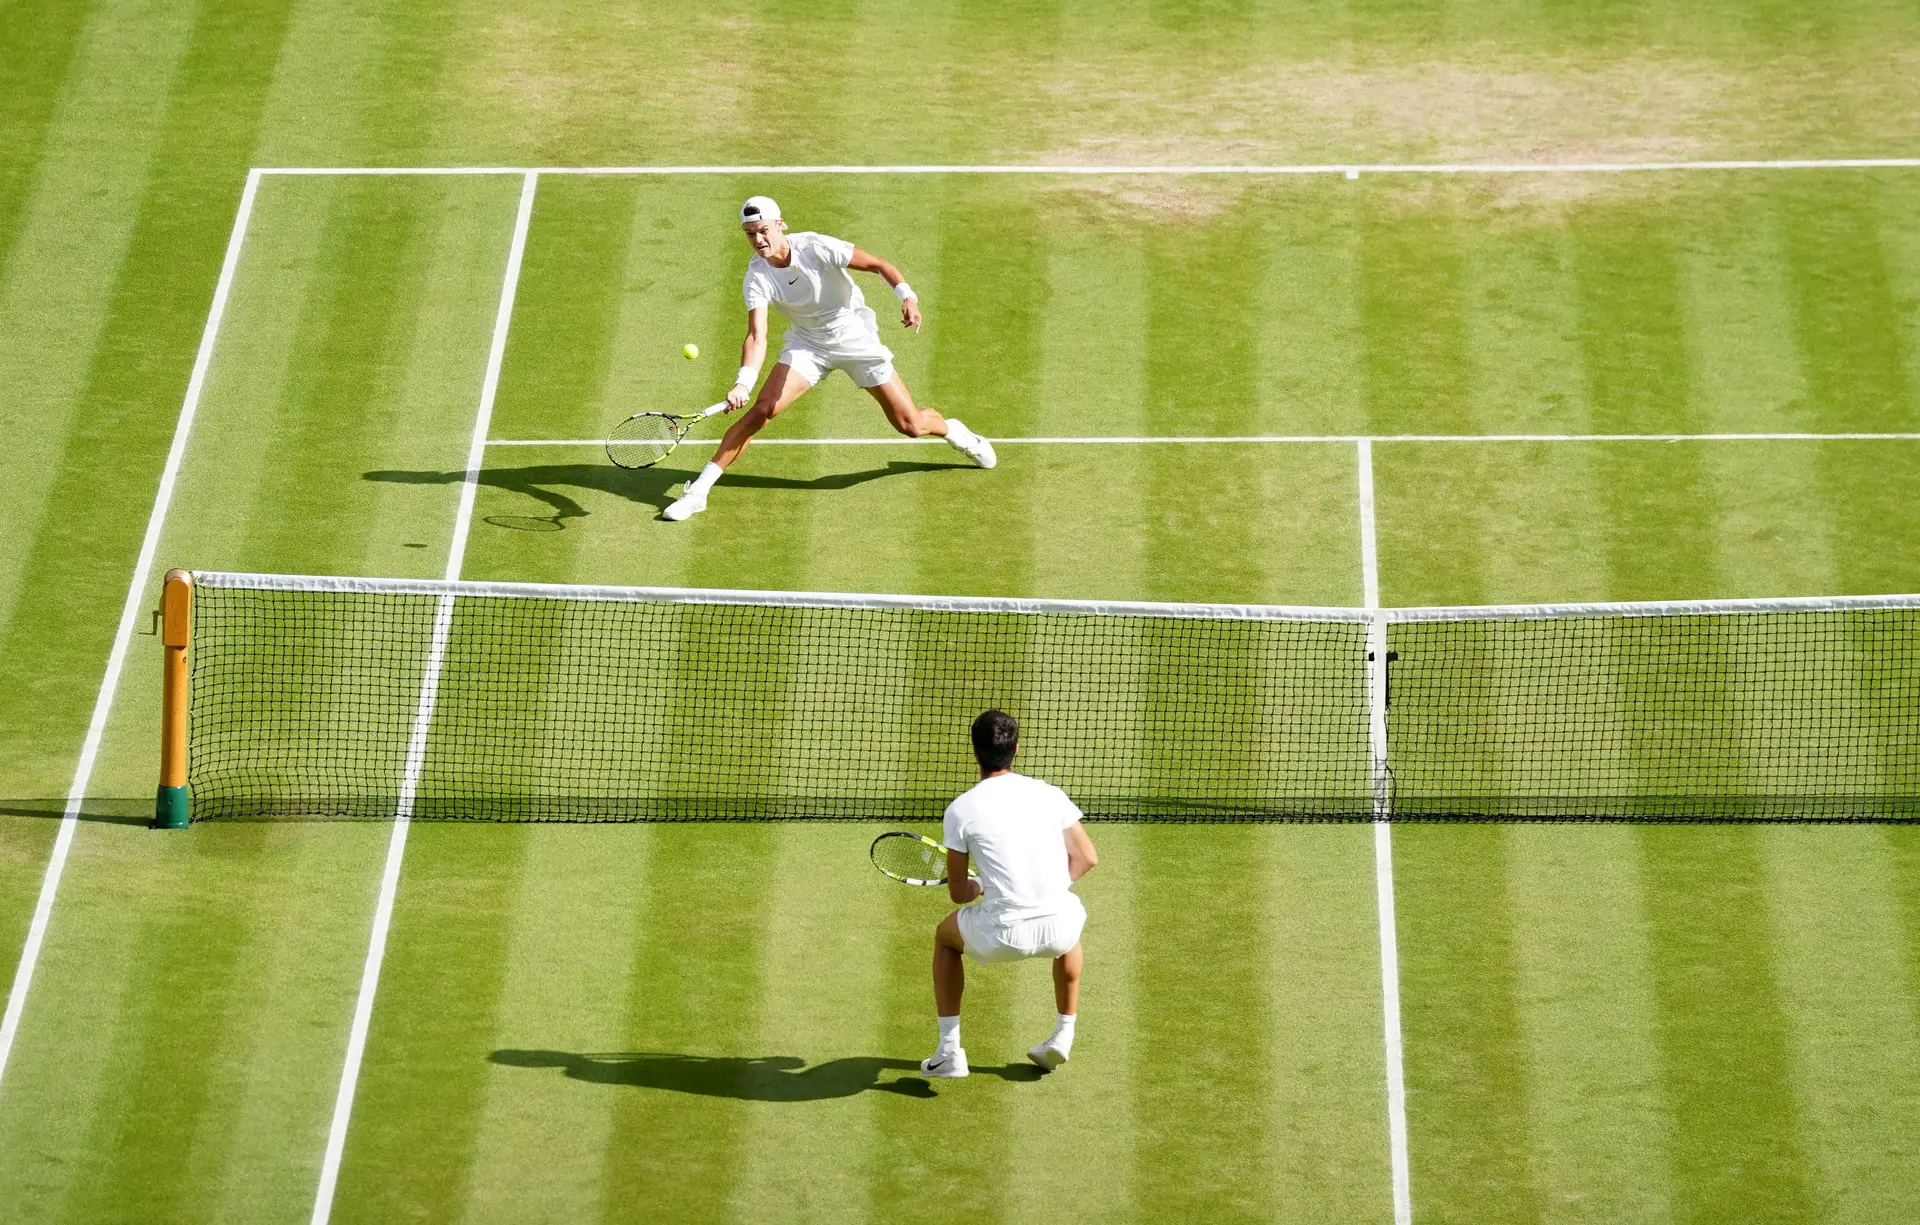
(679, 423)
(911, 880)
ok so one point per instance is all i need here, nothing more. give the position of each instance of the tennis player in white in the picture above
(1024, 839)
(807, 277)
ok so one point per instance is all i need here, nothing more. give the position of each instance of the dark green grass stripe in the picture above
(1724, 1032)
(1847, 320)
(992, 272)
(696, 993)
(349, 356)
(566, 310)
(417, 1112)
(1466, 1071)
(97, 506)
(1904, 845)
(1633, 342)
(35, 55)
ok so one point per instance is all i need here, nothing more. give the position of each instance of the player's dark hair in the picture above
(995, 736)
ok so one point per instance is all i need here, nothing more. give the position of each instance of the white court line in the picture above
(422, 722)
(1383, 845)
(1350, 169)
(1211, 440)
(129, 617)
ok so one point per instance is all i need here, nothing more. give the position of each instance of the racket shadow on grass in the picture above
(769, 1078)
(645, 486)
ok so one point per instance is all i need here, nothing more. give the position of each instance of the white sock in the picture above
(957, 433)
(949, 1033)
(1062, 1029)
(703, 482)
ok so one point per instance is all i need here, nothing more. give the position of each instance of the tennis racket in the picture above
(912, 859)
(644, 439)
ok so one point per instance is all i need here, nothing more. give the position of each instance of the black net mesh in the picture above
(305, 703)
(1747, 716)
(559, 708)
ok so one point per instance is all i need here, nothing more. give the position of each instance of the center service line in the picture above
(123, 637)
(422, 721)
(1383, 842)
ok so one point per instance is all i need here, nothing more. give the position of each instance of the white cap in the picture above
(759, 208)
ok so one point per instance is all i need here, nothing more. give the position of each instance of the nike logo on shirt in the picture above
(794, 281)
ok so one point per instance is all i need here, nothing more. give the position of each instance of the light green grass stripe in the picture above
(1092, 376)
(821, 1012)
(569, 960)
(1596, 1116)
(73, 236)
(1848, 983)
(1321, 1020)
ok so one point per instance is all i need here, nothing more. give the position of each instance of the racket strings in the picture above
(643, 440)
(911, 858)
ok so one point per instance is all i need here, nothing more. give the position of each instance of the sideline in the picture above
(129, 617)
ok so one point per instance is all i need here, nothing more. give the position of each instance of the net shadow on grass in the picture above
(767, 1078)
(104, 811)
(646, 486)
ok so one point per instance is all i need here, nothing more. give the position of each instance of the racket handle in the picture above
(713, 410)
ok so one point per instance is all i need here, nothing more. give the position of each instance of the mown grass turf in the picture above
(1579, 1001)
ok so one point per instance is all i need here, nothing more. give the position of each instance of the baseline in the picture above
(423, 719)
(123, 636)
(1215, 440)
(1351, 170)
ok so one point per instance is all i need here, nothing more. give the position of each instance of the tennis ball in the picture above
(690, 351)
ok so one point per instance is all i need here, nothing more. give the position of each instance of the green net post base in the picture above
(170, 808)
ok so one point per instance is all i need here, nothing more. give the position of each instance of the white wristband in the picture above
(743, 381)
(903, 291)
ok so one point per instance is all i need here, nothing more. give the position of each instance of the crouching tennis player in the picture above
(806, 277)
(1024, 839)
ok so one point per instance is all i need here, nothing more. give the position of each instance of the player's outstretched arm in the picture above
(961, 887)
(909, 304)
(1081, 857)
(753, 351)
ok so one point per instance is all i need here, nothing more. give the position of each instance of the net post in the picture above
(171, 805)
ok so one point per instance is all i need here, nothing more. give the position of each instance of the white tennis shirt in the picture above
(1014, 828)
(814, 291)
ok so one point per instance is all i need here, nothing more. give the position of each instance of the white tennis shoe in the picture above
(686, 506)
(1048, 1055)
(950, 1065)
(970, 444)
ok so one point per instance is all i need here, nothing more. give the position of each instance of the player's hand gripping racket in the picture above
(644, 439)
(912, 859)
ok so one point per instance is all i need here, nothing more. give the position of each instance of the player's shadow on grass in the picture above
(647, 486)
(770, 1078)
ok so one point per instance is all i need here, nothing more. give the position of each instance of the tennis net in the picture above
(318, 697)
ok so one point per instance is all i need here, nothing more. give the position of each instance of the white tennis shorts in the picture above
(989, 939)
(857, 351)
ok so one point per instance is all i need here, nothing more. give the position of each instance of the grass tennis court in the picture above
(705, 1022)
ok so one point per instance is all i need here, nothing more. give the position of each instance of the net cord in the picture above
(1095, 608)
(769, 599)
